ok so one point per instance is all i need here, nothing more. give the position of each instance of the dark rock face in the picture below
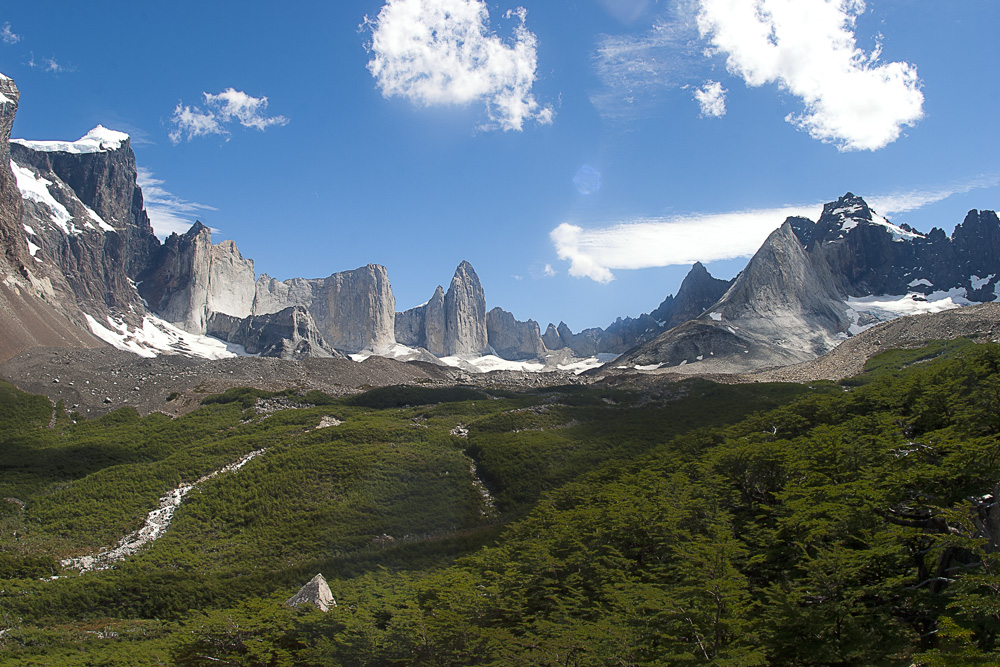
(12, 239)
(189, 279)
(511, 339)
(37, 306)
(100, 238)
(288, 334)
(697, 292)
(867, 255)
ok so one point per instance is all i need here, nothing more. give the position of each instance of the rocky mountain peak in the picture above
(465, 333)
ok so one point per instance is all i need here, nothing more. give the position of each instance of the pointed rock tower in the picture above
(316, 592)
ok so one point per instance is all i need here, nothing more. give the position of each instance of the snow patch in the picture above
(920, 281)
(868, 311)
(160, 337)
(647, 367)
(978, 283)
(716, 316)
(491, 362)
(582, 365)
(32, 248)
(98, 140)
(899, 234)
(36, 189)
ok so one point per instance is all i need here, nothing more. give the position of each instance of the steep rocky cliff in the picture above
(354, 310)
(189, 280)
(37, 306)
(511, 339)
(465, 315)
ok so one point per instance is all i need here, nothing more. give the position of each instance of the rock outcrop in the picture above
(465, 315)
(37, 306)
(288, 334)
(697, 292)
(511, 339)
(189, 280)
(353, 310)
(451, 323)
(316, 592)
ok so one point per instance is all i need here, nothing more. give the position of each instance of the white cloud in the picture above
(8, 36)
(648, 243)
(221, 111)
(442, 52)
(167, 212)
(712, 99)
(808, 48)
(548, 271)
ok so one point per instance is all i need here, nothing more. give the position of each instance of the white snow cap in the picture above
(98, 140)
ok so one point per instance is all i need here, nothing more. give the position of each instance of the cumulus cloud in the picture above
(712, 99)
(168, 213)
(221, 111)
(647, 243)
(442, 52)
(808, 48)
(8, 36)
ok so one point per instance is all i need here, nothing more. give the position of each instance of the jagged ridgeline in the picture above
(692, 523)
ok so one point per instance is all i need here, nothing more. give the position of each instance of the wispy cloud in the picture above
(8, 36)
(49, 65)
(221, 111)
(443, 53)
(711, 98)
(167, 212)
(911, 200)
(808, 48)
(652, 242)
(635, 69)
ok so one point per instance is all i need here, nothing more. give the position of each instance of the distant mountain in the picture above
(813, 284)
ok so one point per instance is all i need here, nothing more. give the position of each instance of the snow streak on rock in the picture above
(156, 524)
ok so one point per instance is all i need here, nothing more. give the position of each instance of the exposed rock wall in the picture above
(354, 310)
(465, 315)
(511, 339)
(189, 279)
(288, 334)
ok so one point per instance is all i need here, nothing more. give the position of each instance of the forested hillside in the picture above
(696, 523)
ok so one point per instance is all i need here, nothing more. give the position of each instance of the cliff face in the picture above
(511, 339)
(37, 306)
(465, 315)
(354, 310)
(83, 215)
(289, 334)
(189, 279)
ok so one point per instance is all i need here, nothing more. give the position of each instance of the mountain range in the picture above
(81, 265)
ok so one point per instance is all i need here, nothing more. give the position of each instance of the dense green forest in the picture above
(689, 524)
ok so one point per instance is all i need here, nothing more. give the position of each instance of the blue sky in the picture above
(580, 153)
